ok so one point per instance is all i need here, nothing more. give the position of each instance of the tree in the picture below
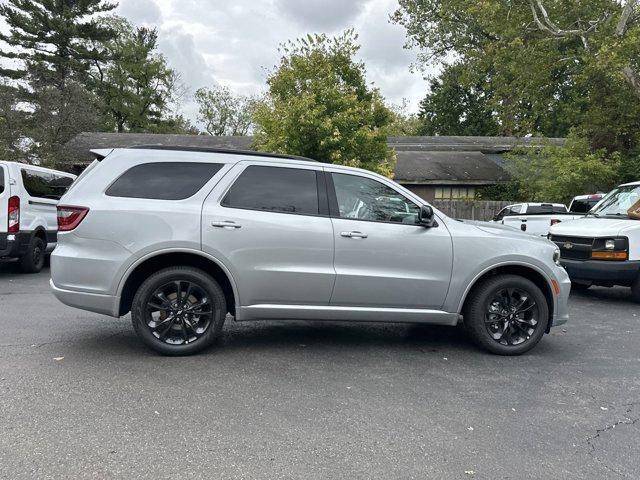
(224, 113)
(558, 173)
(454, 108)
(51, 45)
(403, 123)
(61, 38)
(11, 123)
(319, 105)
(553, 67)
(136, 87)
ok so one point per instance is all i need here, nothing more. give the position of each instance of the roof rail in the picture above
(223, 150)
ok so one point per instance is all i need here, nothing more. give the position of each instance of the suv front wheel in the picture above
(178, 311)
(506, 314)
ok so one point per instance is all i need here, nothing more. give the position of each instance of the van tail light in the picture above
(554, 221)
(70, 217)
(14, 215)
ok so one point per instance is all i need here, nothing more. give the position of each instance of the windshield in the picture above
(620, 202)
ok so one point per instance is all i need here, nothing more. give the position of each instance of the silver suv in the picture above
(183, 237)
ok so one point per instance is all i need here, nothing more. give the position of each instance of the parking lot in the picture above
(81, 397)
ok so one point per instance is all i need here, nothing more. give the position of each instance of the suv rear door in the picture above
(269, 223)
(383, 258)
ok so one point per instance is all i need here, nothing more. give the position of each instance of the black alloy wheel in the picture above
(179, 310)
(506, 314)
(511, 316)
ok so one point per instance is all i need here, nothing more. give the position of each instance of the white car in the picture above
(534, 218)
(28, 219)
(603, 247)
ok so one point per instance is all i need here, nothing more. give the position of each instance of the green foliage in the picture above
(11, 123)
(224, 113)
(544, 67)
(50, 46)
(511, 191)
(403, 123)
(558, 174)
(60, 38)
(136, 87)
(454, 108)
(320, 106)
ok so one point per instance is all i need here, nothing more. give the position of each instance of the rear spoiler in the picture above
(100, 153)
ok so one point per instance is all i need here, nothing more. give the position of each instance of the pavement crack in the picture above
(627, 420)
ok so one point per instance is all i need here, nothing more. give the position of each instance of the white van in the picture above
(28, 218)
(603, 247)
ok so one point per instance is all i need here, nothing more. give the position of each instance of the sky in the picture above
(235, 43)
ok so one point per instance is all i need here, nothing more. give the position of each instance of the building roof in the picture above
(79, 148)
(470, 168)
(421, 160)
(467, 144)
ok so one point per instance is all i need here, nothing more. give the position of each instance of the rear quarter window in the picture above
(163, 180)
(2, 180)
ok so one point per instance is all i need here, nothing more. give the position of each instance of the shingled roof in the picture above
(470, 168)
(421, 160)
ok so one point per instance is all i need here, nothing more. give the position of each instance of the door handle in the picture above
(354, 234)
(225, 224)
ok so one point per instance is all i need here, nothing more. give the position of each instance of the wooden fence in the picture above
(470, 209)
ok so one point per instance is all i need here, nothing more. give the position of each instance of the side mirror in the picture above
(495, 218)
(425, 216)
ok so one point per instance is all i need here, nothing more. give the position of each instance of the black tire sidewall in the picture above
(27, 262)
(474, 314)
(194, 275)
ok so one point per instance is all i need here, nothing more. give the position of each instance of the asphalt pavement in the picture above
(81, 397)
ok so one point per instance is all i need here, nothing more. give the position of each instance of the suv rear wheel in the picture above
(178, 311)
(506, 314)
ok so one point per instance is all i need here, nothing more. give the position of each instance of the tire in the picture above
(516, 333)
(172, 329)
(635, 290)
(580, 287)
(33, 260)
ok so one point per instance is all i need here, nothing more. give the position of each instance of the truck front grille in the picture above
(573, 248)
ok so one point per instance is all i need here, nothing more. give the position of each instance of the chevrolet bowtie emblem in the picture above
(568, 246)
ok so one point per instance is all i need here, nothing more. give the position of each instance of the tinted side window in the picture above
(275, 189)
(163, 180)
(1, 180)
(366, 199)
(45, 184)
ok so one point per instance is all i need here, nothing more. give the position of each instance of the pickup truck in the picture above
(603, 247)
(534, 218)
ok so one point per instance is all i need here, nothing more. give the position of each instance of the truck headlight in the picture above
(610, 248)
(556, 256)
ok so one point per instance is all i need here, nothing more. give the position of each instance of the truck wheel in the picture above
(506, 314)
(635, 290)
(33, 260)
(178, 311)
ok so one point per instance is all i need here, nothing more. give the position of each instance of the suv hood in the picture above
(595, 227)
(504, 230)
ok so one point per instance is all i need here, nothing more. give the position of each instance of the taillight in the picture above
(14, 215)
(554, 221)
(70, 217)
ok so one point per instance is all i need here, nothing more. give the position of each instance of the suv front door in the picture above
(383, 258)
(270, 225)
